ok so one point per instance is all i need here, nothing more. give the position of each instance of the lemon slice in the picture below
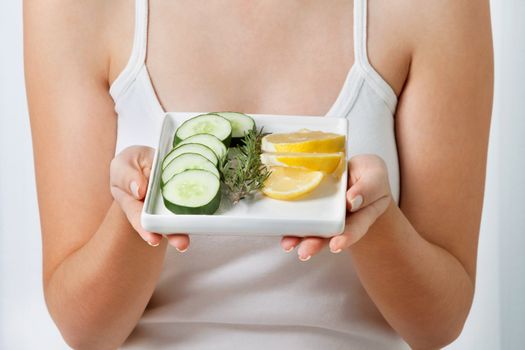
(290, 183)
(341, 167)
(325, 162)
(304, 140)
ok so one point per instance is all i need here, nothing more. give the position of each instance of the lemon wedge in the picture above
(289, 183)
(303, 140)
(325, 162)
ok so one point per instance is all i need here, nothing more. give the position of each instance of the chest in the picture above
(264, 57)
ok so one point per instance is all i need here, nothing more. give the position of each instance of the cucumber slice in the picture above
(207, 140)
(191, 148)
(241, 124)
(193, 191)
(187, 161)
(211, 123)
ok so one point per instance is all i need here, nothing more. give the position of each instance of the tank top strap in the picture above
(137, 58)
(361, 56)
(360, 32)
(140, 40)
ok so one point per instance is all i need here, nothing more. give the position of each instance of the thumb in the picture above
(138, 187)
(369, 182)
(130, 171)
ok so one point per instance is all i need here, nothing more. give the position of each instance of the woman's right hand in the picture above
(129, 174)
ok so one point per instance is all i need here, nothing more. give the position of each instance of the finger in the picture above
(370, 187)
(357, 225)
(129, 179)
(310, 246)
(288, 243)
(363, 163)
(181, 242)
(144, 159)
(130, 170)
(146, 171)
(132, 208)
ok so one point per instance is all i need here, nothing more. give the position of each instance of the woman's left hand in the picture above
(367, 198)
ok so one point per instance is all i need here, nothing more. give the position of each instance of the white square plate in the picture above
(320, 213)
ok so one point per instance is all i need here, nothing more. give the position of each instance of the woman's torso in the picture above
(238, 292)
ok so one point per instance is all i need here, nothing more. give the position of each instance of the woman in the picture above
(414, 80)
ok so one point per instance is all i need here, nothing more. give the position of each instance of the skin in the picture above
(416, 261)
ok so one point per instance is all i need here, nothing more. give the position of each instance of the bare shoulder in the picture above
(404, 32)
(58, 32)
(64, 32)
(438, 26)
(450, 22)
(451, 45)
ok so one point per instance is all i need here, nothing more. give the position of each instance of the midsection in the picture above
(231, 280)
(270, 57)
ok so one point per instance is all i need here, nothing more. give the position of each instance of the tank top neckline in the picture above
(343, 102)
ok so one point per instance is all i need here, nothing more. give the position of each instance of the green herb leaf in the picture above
(242, 171)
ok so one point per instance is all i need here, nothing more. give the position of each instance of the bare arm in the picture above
(418, 262)
(98, 273)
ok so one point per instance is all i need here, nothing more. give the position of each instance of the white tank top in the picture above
(235, 292)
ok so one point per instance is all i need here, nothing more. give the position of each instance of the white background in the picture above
(497, 319)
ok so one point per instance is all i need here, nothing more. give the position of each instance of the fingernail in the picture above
(183, 250)
(134, 187)
(153, 244)
(336, 251)
(305, 259)
(356, 203)
(289, 249)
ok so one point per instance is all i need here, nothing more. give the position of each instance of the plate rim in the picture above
(152, 222)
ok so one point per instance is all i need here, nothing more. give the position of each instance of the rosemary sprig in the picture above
(243, 173)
